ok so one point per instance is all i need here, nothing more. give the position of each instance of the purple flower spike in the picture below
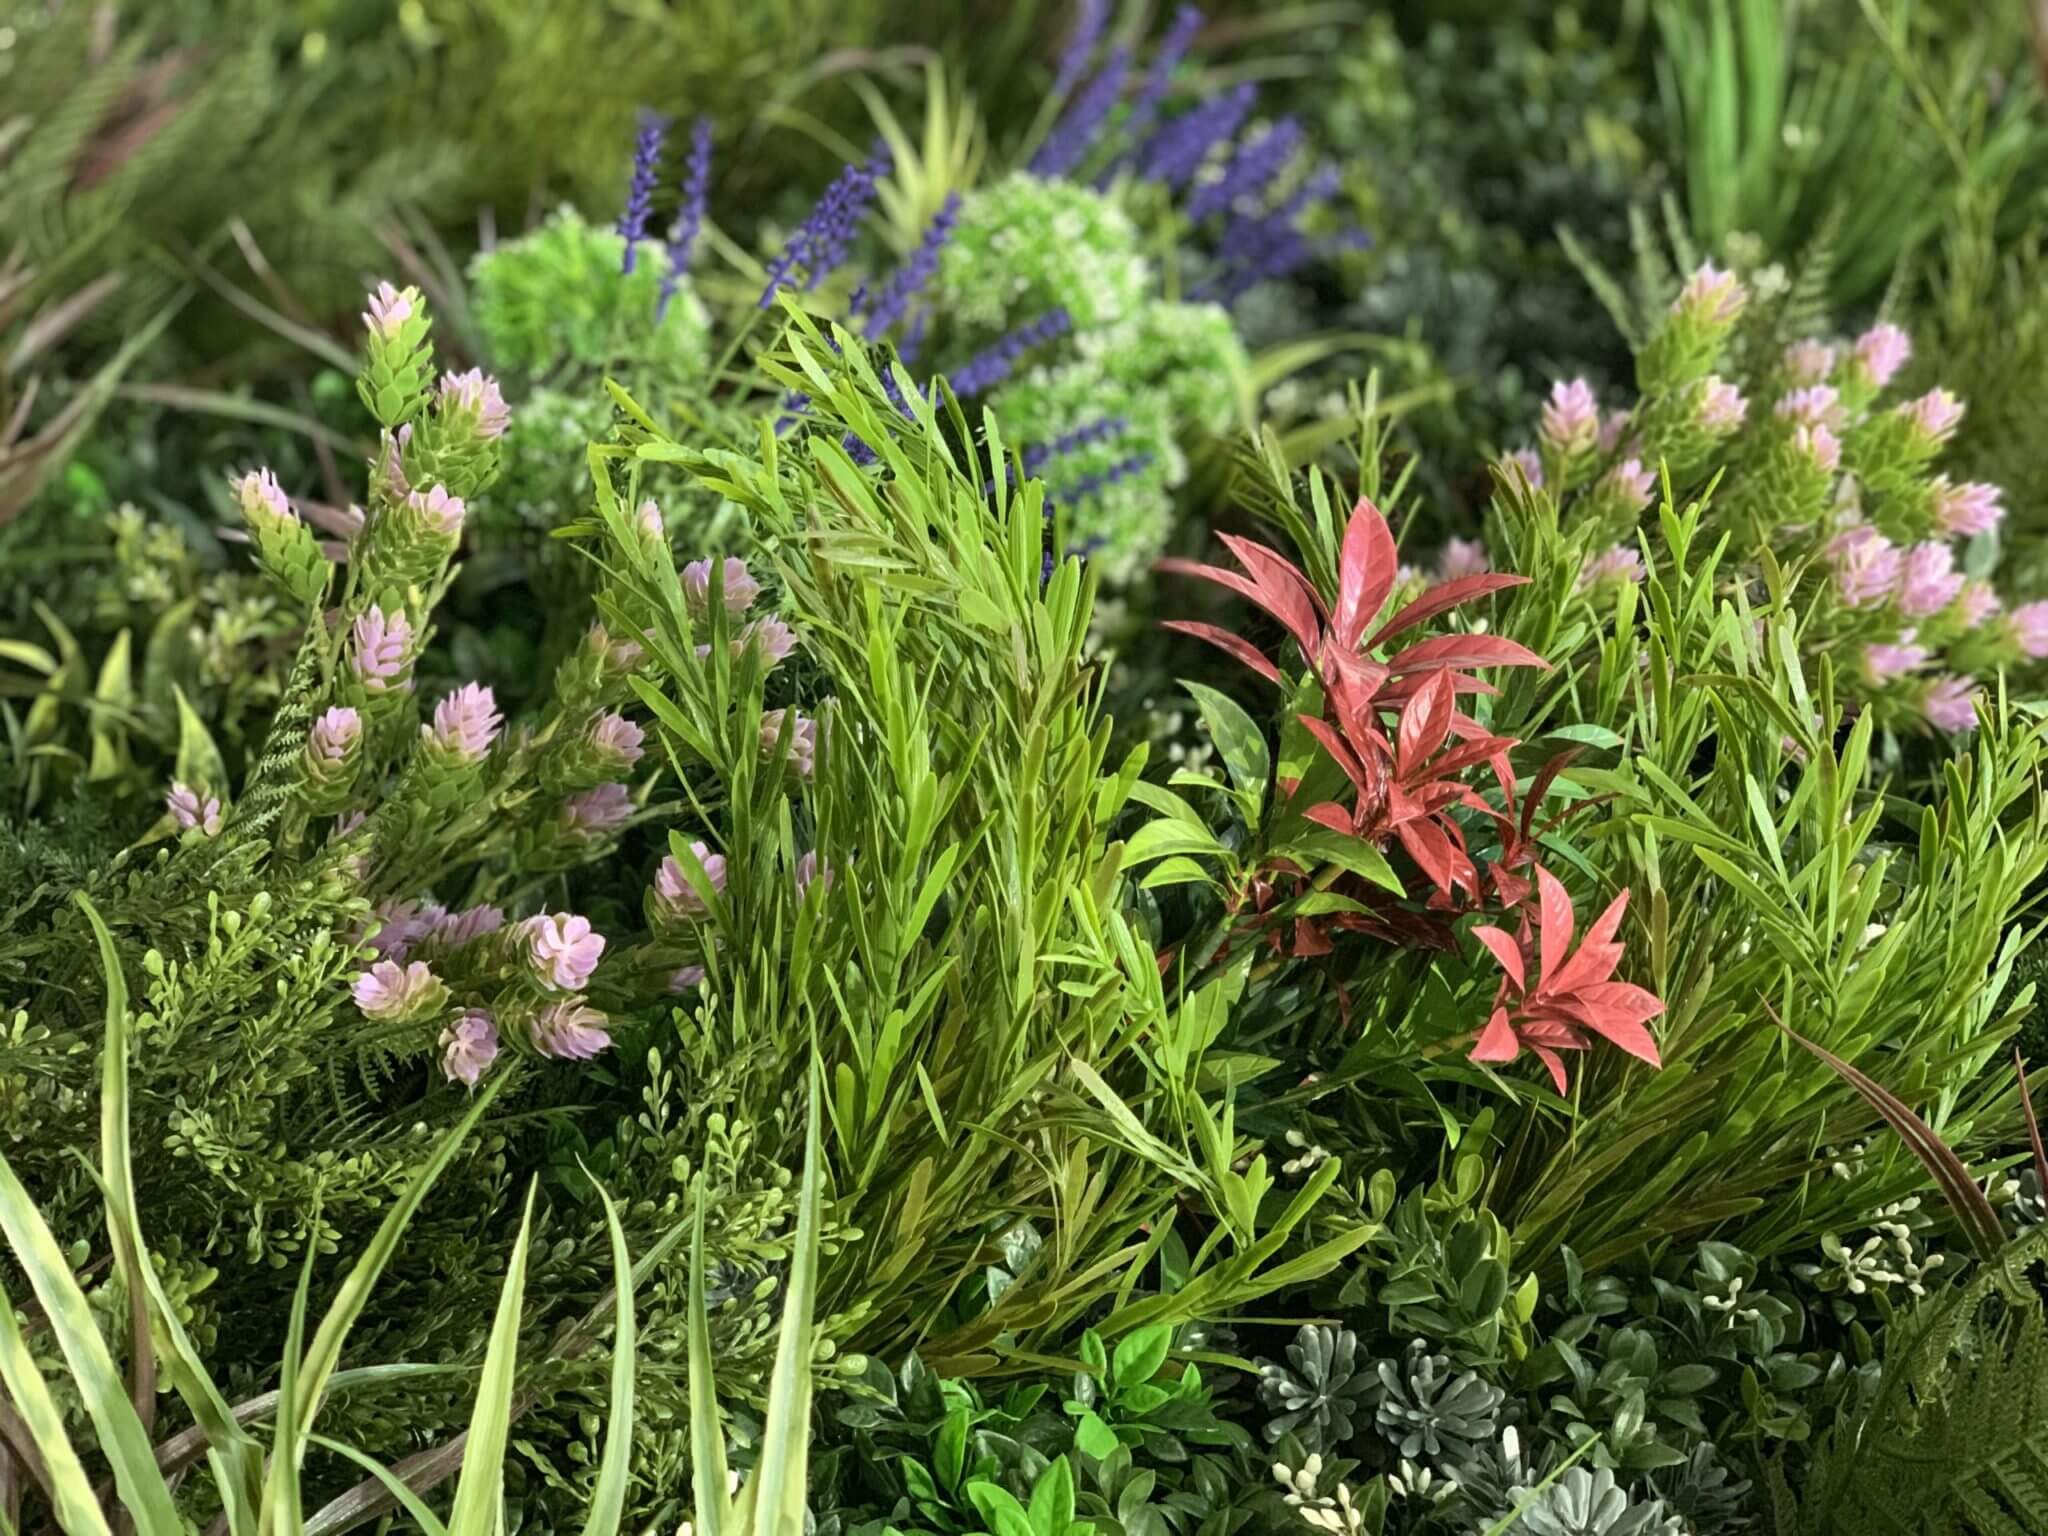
(682, 235)
(1251, 170)
(1081, 124)
(570, 1030)
(737, 589)
(597, 811)
(673, 890)
(1090, 17)
(821, 242)
(988, 368)
(564, 949)
(1177, 150)
(803, 739)
(1187, 21)
(1039, 455)
(1950, 704)
(909, 279)
(619, 739)
(468, 1047)
(465, 723)
(189, 808)
(640, 191)
(1102, 480)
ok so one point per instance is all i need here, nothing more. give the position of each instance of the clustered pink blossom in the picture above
(1950, 703)
(456, 929)
(811, 868)
(1571, 417)
(468, 1046)
(1971, 508)
(1712, 295)
(1928, 580)
(1818, 405)
(476, 396)
(382, 648)
(1881, 352)
(565, 949)
(1623, 562)
(1978, 604)
(570, 1030)
(1820, 445)
(1462, 557)
(388, 990)
(1529, 463)
(803, 742)
(599, 810)
(1721, 407)
(262, 497)
(389, 310)
(466, 722)
(672, 887)
(1809, 362)
(1867, 566)
(1887, 663)
(773, 638)
(2029, 623)
(190, 808)
(738, 588)
(1631, 484)
(335, 734)
(1934, 415)
(618, 739)
(437, 509)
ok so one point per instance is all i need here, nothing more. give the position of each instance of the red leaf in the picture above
(1540, 785)
(1554, 928)
(1424, 725)
(1428, 847)
(1401, 688)
(1598, 953)
(1224, 640)
(1497, 1042)
(1365, 573)
(1619, 1000)
(1555, 1063)
(1286, 592)
(1338, 748)
(1628, 1034)
(1502, 946)
(1332, 815)
(1464, 651)
(1442, 599)
(1309, 938)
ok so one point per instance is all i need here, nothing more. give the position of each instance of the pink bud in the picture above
(1630, 484)
(1973, 507)
(1818, 445)
(1978, 604)
(2029, 624)
(465, 724)
(335, 734)
(1711, 295)
(811, 868)
(564, 949)
(1721, 408)
(1884, 663)
(189, 808)
(390, 991)
(1950, 703)
(1928, 581)
(1934, 415)
(1624, 562)
(456, 929)
(618, 739)
(475, 396)
(438, 510)
(389, 310)
(1816, 406)
(263, 499)
(1809, 362)
(1528, 463)
(739, 587)
(1867, 566)
(468, 1047)
(803, 744)
(1460, 558)
(1571, 418)
(596, 811)
(570, 1030)
(381, 648)
(1881, 352)
(672, 888)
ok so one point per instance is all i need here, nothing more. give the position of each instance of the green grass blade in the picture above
(241, 1486)
(409, 1501)
(78, 1512)
(144, 1494)
(480, 1490)
(608, 1498)
(284, 1512)
(707, 1434)
(781, 1473)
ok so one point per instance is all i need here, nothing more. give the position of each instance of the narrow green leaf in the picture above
(608, 1498)
(480, 1490)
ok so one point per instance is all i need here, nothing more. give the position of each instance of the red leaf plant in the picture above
(1548, 1001)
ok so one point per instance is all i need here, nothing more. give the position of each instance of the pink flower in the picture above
(1928, 581)
(648, 520)
(1528, 463)
(402, 924)
(262, 498)
(1887, 663)
(390, 991)
(1972, 507)
(1934, 415)
(565, 949)
(1460, 558)
(1950, 703)
(382, 648)
(738, 587)
(438, 510)
(1721, 408)
(389, 309)
(2029, 624)
(672, 887)
(1630, 484)
(476, 396)
(687, 979)
(189, 809)
(456, 929)
(1809, 362)
(465, 723)
(1816, 406)
(598, 810)
(1611, 430)
(617, 655)
(774, 639)
(335, 734)
(618, 739)
(803, 744)
(811, 868)
(1711, 295)
(396, 484)
(1867, 566)
(1571, 418)
(1820, 445)
(1978, 604)
(570, 1030)
(468, 1046)
(1624, 562)
(1881, 352)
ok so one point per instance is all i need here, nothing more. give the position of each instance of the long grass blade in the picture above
(608, 1497)
(707, 1434)
(77, 1509)
(781, 1474)
(408, 1501)
(480, 1490)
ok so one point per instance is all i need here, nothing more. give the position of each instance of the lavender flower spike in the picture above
(1100, 430)
(1090, 16)
(1251, 170)
(988, 368)
(1081, 124)
(640, 191)
(682, 235)
(909, 279)
(1187, 21)
(1177, 150)
(1102, 480)
(821, 242)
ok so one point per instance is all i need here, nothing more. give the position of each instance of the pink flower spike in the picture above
(1711, 295)
(1950, 703)
(1934, 415)
(381, 649)
(597, 811)
(465, 724)
(1978, 604)
(1888, 663)
(1809, 362)
(1971, 508)
(189, 809)
(476, 396)
(739, 589)
(1461, 558)
(1882, 351)
(389, 310)
(672, 887)
(1815, 406)
(565, 949)
(1631, 484)
(1528, 463)
(390, 991)
(1571, 418)
(468, 1047)
(2029, 625)
(618, 739)
(335, 734)
(570, 1030)
(438, 510)
(1928, 580)
(1721, 408)
(1820, 445)
(803, 745)
(1867, 565)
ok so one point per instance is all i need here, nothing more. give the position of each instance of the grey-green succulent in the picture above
(1425, 1409)
(1319, 1390)
(1587, 1501)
